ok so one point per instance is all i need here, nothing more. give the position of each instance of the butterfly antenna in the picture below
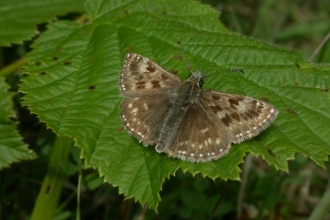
(234, 70)
(185, 57)
(230, 71)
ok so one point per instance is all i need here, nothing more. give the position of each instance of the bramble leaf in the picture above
(11, 146)
(73, 87)
(19, 17)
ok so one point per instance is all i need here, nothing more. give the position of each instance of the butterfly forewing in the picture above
(141, 76)
(241, 117)
(147, 89)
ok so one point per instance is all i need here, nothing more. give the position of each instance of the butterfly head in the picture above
(197, 77)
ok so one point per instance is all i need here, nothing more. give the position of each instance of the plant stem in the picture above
(52, 185)
(11, 68)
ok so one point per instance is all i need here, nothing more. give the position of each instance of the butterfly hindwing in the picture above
(143, 117)
(197, 138)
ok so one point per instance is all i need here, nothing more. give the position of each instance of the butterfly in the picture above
(180, 118)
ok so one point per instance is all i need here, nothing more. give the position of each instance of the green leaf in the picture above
(11, 146)
(19, 17)
(73, 87)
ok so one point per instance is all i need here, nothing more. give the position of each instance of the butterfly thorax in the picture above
(187, 94)
(189, 91)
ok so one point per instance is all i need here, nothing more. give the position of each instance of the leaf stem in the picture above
(52, 185)
(322, 208)
(221, 198)
(319, 47)
(241, 193)
(13, 67)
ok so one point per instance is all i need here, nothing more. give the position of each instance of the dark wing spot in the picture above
(134, 64)
(134, 72)
(233, 101)
(155, 84)
(244, 117)
(163, 76)
(215, 109)
(140, 85)
(138, 77)
(151, 69)
(254, 113)
(216, 97)
(226, 120)
(249, 115)
(260, 107)
(235, 116)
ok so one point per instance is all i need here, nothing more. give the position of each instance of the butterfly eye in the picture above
(201, 82)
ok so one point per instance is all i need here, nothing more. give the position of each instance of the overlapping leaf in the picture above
(19, 17)
(11, 146)
(73, 79)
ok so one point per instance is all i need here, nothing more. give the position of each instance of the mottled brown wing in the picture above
(239, 117)
(144, 116)
(142, 76)
(198, 138)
